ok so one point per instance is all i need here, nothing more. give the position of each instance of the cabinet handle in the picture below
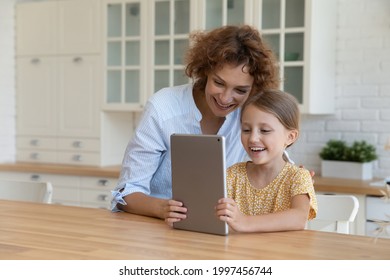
(34, 142)
(35, 177)
(77, 144)
(34, 156)
(103, 182)
(77, 158)
(35, 60)
(77, 59)
(103, 197)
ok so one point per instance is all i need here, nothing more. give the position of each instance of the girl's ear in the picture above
(292, 136)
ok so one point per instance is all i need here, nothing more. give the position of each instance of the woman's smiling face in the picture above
(227, 89)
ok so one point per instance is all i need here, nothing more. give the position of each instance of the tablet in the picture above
(199, 180)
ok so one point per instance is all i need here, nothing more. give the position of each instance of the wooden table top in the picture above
(48, 231)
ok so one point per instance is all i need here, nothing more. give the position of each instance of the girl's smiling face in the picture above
(263, 136)
(227, 89)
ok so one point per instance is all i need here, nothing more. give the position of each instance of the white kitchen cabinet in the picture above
(145, 42)
(36, 28)
(302, 34)
(59, 86)
(378, 210)
(52, 27)
(57, 99)
(86, 191)
(78, 89)
(36, 98)
(79, 27)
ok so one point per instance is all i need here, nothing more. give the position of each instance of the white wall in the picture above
(362, 85)
(7, 82)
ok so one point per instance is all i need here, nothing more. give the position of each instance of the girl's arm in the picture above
(294, 218)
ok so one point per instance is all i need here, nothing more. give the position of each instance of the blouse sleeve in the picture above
(303, 184)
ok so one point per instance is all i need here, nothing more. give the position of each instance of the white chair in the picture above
(335, 213)
(26, 191)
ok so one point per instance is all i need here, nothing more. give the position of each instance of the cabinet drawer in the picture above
(95, 196)
(36, 156)
(79, 144)
(97, 183)
(36, 143)
(68, 194)
(79, 158)
(377, 208)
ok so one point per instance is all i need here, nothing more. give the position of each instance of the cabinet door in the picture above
(79, 27)
(79, 95)
(217, 13)
(36, 28)
(302, 35)
(125, 49)
(36, 96)
(169, 41)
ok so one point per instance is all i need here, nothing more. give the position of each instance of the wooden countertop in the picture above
(321, 184)
(350, 186)
(51, 231)
(62, 169)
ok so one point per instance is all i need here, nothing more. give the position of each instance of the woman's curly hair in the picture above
(235, 45)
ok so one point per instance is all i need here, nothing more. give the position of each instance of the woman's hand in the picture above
(174, 212)
(312, 173)
(227, 211)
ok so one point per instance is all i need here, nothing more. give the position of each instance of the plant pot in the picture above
(346, 169)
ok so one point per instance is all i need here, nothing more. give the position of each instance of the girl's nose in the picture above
(254, 137)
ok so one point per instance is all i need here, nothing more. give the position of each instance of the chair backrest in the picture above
(26, 191)
(335, 213)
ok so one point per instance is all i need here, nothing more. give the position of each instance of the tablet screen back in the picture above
(199, 180)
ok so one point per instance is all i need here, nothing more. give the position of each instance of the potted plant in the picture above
(342, 161)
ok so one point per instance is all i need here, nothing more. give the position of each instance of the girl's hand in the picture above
(174, 212)
(227, 211)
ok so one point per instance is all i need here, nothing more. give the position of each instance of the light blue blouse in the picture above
(146, 165)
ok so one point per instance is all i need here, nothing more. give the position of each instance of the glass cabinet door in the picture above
(123, 53)
(224, 12)
(170, 42)
(282, 25)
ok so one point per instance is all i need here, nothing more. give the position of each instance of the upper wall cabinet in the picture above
(144, 43)
(302, 34)
(60, 27)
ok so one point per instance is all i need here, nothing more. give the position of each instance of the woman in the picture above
(227, 65)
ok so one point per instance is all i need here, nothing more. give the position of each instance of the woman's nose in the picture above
(226, 96)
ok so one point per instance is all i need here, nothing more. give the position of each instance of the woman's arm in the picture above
(294, 218)
(142, 204)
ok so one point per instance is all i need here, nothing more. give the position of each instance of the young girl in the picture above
(268, 193)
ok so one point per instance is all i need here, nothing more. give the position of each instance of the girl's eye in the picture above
(245, 130)
(265, 131)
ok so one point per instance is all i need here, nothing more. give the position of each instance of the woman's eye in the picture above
(218, 83)
(241, 91)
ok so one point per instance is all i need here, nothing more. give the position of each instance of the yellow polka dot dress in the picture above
(275, 197)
